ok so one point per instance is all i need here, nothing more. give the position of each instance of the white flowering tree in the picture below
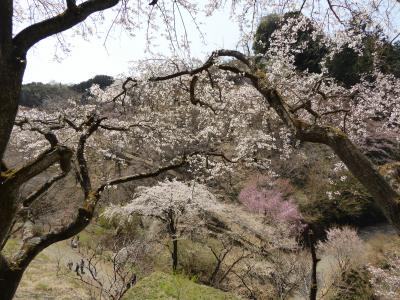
(181, 208)
(342, 250)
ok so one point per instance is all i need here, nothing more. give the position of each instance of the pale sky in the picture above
(89, 58)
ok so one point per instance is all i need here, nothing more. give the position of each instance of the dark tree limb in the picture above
(140, 176)
(71, 4)
(93, 125)
(72, 16)
(6, 13)
(210, 62)
(48, 134)
(314, 262)
(126, 128)
(40, 191)
(220, 257)
(193, 99)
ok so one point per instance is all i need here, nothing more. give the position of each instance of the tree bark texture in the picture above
(11, 73)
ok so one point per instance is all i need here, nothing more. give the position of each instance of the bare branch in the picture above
(48, 135)
(93, 123)
(124, 89)
(335, 112)
(73, 125)
(210, 61)
(126, 128)
(29, 36)
(193, 99)
(140, 176)
(45, 187)
(332, 9)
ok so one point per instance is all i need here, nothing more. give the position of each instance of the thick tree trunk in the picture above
(11, 73)
(9, 279)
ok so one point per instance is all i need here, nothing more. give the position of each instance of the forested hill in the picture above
(37, 93)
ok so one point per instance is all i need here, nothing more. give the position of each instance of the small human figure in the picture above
(77, 269)
(82, 266)
(131, 282)
(75, 242)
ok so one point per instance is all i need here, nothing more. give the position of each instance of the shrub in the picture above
(355, 285)
(271, 198)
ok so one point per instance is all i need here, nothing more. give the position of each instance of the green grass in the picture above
(41, 286)
(11, 247)
(161, 286)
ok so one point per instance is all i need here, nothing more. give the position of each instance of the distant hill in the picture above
(102, 80)
(37, 94)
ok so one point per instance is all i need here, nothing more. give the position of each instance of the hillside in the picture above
(163, 286)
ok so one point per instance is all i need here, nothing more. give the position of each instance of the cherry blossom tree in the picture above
(265, 196)
(180, 207)
(343, 245)
(343, 250)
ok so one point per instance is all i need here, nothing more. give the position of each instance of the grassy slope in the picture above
(163, 286)
(41, 281)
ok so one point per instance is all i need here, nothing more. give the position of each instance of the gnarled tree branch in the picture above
(72, 16)
(35, 245)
